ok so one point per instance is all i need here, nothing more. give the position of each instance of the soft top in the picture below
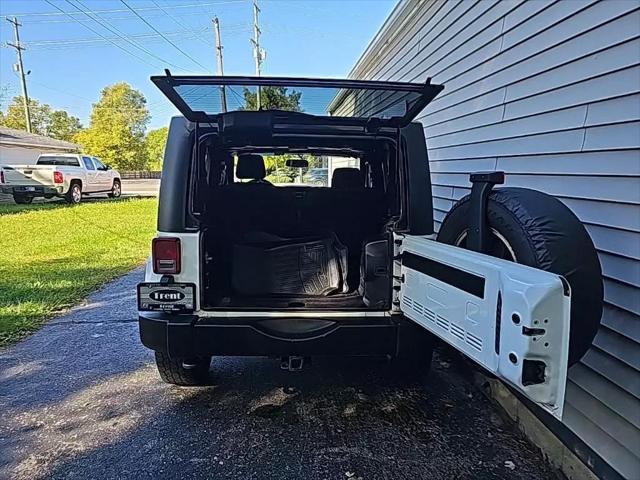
(202, 98)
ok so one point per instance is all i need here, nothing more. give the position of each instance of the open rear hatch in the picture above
(289, 247)
(202, 98)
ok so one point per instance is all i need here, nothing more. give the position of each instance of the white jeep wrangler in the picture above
(246, 266)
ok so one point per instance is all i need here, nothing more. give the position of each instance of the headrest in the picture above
(250, 165)
(346, 178)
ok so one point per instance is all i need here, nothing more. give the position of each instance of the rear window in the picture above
(317, 173)
(58, 160)
(340, 102)
(200, 97)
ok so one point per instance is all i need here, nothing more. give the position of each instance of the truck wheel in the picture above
(74, 195)
(22, 199)
(116, 189)
(178, 371)
(536, 229)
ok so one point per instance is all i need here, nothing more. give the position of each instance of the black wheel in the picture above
(180, 371)
(74, 195)
(536, 229)
(116, 189)
(22, 199)
(415, 352)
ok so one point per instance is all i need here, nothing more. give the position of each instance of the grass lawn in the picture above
(52, 255)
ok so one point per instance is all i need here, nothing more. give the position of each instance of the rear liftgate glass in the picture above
(202, 98)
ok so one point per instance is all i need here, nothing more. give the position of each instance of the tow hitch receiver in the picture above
(292, 363)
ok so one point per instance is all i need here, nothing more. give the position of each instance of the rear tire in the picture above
(116, 189)
(178, 371)
(74, 195)
(22, 199)
(536, 229)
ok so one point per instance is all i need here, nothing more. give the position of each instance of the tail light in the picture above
(165, 254)
(58, 177)
(1, 176)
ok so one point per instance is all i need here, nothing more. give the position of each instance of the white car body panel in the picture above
(481, 329)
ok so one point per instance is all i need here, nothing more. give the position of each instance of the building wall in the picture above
(18, 155)
(549, 92)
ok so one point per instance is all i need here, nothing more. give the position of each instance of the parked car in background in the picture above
(317, 176)
(65, 175)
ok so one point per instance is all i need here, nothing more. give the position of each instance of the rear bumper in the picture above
(33, 190)
(190, 335)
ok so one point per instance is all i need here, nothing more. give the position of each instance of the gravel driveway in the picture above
(81, 399)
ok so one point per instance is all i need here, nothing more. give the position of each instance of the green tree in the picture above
(117, 126)
(273, 98)
(40, 116)
(155, 143)
(56, 124)
(63, 126)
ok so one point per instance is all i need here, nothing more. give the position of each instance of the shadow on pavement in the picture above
(336, 417)
(81, 399)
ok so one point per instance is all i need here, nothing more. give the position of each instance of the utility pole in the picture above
(223, 93)
(19, 48)
(258, 53)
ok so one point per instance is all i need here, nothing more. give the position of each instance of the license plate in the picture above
(30, 189)
(173, 297)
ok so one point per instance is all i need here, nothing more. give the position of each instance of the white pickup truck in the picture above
(64, 175)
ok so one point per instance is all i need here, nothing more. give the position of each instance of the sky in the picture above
(70, 62)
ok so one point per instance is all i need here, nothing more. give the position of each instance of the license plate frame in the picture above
(166, 297)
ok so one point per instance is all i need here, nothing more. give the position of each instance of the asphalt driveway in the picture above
(81, 399)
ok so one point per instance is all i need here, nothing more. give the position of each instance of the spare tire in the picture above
(536, 229)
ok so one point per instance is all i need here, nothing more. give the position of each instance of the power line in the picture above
(119, 17)
(100, 34)
(88, 41)
(91, 41)
(118, 33)
(178, 22)
(160, 33)
(140, 9)
(86, 99)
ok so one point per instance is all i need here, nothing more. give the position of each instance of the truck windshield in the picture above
(58, 160)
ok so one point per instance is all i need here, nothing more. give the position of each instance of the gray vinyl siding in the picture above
(549, 92)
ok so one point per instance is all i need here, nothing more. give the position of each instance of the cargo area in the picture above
(309, 244)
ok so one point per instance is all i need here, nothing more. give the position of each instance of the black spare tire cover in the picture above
(543, 233)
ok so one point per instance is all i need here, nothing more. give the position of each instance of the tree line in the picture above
(117, 131)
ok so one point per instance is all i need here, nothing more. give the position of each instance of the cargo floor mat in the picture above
(264, 264)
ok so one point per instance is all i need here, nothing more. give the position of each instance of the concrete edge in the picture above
(554, 451)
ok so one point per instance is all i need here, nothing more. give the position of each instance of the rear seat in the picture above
(346, 208)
